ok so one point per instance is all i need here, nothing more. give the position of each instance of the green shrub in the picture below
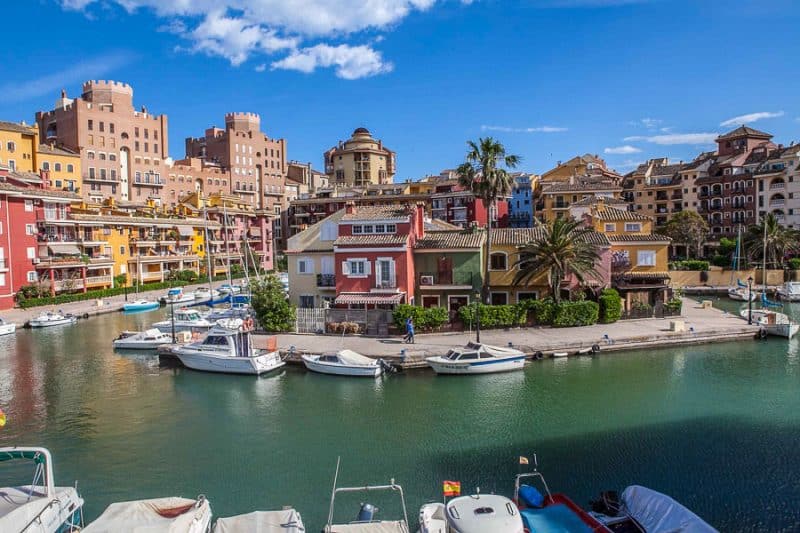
(494, 316)
(425, 318)
(570, 314)
(610, 306)
(690, 264)
(92, 295)
(674, 305)
(720, 261)
(272, 308)
(189, 276)
(538, 311)
(120, 280)
(794, 263)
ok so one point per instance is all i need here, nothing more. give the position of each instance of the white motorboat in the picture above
(790, 291)
(227, 288)
(227, 348)
(157, 515)
(741, 294)
(49, 318)
(344, 363)
(176, 295)
(478, 513)
(366, 521)
(204, 293)
(773, 322)
(234, 311)
(185, 320)
(142, 340)
(38, 506)
(7, 328)
(284, 521)
(477, 359)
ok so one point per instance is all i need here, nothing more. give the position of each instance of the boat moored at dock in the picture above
(142, 340)
(344, 363)
(50, 318)
(477, 513)
(7, 328)
(285, 521)
(185, 320)
(478, 359)
(773, 323)
(140, 305)
(39, 506)
(157, 515)
(176, 295)
(790, 291)
(228, 349)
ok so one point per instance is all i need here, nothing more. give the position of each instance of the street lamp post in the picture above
(478, 317)
(750, 300)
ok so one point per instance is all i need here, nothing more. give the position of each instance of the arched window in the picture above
(57, 167)
(45, 166)
(70, 167)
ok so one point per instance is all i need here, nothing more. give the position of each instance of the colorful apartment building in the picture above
(121, 149)
(581, 165)
(63, 167)
(655, 189)
(521, 204)
(360, 161)
(455, 204)
(448, 266)
(556, 198)
(18, 143)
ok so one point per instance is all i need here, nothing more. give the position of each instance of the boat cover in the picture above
(494, 350)
(553, 518)
(658, 513)
(349, 357)
(286, 521)
(158, 515)
(372, 527)
(153, 332)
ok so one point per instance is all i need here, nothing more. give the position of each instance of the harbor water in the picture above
(715, 426)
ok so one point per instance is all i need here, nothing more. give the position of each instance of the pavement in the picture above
(702, 325)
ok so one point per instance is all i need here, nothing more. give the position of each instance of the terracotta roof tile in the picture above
(451, 239)
(370, 240)
(34, 192)
(15, 127)
(521, 236)
(612, 214)
(744, 131)
(638, 237)
(377, 212)
(56, 150)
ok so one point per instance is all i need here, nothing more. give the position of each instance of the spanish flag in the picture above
(2, 418)
(452, 488)
(523, 460)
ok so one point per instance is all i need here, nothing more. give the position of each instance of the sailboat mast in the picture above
(764, 258)
(225, 238)
(208, 254)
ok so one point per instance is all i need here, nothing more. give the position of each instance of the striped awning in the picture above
(185, 231)
(64, 249)
(361, 298)
(646, 275)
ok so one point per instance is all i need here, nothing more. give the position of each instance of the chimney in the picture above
(420, 219)
(350, 208)
(63, 93)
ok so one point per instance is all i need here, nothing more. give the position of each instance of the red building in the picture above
(454, 204)
(23, 199)
(374, 255)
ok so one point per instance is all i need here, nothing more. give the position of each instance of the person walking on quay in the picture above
(409, 338)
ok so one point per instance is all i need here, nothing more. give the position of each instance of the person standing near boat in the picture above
(409, 338)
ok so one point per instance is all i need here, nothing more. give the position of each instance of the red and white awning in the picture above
(361, 298)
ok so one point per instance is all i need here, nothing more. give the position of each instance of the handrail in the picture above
(38, 516)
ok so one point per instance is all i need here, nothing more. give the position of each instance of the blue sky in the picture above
(626, 79)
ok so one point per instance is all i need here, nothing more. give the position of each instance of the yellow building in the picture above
(639, 258)
(582, 165)
(359, 161)
(18, 143)
(63, 165)
(556, 198)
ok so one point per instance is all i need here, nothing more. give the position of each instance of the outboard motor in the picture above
(367, 512)
(607, 504)
(388, 368)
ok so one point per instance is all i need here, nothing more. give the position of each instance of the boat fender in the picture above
(530, 496)
(762, 334)
(538, 356)
(595, 348)
(85, 315)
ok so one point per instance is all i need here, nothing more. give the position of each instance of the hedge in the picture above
(570, 314)
(494, 316)
(425, 318)
(610, 306)
(92, 295)
(794, 263)
(539, 312)
(689, 264)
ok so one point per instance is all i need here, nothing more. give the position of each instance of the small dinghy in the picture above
(177, 296)
(790, 291)
(157, 515)
(142, 340)
(344, 363)
(773, 323)
(478, 359)
(478, 513)
(7, 328)
(50, 318)
(285, 521)
(140, 305)
(39, 506)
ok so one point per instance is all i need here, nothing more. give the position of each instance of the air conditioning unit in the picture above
(426, 280)
(36, 260)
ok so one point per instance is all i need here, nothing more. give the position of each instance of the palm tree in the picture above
(780, 241)
(563, 249)
(482, 174)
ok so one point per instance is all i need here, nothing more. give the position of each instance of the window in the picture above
(646, 258)
(277, 209)
(2, 280)
(305, 266)
(29, 205)
(32, 277)
(358, 229)
(102, 126)
(31, 252)
(380, 228)
(522, 296)
(136, 145)
(113, 174)
(111, 127)
(30, 229)
(57, 167)
(498, 261)
(611, 227)
(91, 172)
(498, 298)
(90, 125)
(70, 168)
(356, 267)
(306, 301)
(633, 227)
(102, 173)
(135, 132)
(12, 165)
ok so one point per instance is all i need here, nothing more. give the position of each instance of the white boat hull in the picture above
(741, 295)
(7, 329)
(47, 323)
(166, 327)
(338, 369)
(432, 518)
(226, 364)
(124, 344)
(441, 365)
(789, 297)
(781, 326)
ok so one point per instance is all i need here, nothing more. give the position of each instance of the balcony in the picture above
(98, 179)
(777, 202)
(155, 182)
(561, 205)
(326, 281)
(384, 285)
(661, 196)
(94, 281)
(66, 237)
(448, 280)
(779, 186)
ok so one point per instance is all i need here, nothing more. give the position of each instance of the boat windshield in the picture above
(216, 340)
(468, 355)
(452, 355)
(328, 359)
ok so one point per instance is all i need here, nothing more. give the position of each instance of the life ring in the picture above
(538, 356)
(595, 348)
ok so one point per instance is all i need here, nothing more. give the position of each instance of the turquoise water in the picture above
(717, 427)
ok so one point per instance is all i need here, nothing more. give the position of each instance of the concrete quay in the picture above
(702, 326)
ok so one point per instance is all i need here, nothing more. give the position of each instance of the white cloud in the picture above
(676, 138)
(628, 164)
(261, 67)
(240, 29)
(93, 68)
(618, 150)
(350, 62)
(649, 123)
(750, 117)
(537, 129)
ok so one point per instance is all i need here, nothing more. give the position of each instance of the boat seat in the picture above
(556, 518)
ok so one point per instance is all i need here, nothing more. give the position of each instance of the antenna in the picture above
(333, 493)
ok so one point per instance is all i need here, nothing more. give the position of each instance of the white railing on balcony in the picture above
(68, 284)
(777, 186)
(95, 280)
(778, 202)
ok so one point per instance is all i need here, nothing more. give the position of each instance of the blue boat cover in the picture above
(557, 518)
(530, 496)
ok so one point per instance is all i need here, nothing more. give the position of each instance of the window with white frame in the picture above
(646, 258)
(610, 227)
(31, 251)
(358, 230)
(305, 265)
(32, 276)
(29, 205)
(329, 231)
(498, 261)
(356, 267)
(2, 280)
(385, 272)
(30, 229)
(633, 227)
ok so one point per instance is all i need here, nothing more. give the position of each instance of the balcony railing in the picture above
(777, 186)
(386, 284)
(429, 279)
(326, 280)
(778, 202)
(99, 280)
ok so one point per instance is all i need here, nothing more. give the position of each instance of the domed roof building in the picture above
(360, 160)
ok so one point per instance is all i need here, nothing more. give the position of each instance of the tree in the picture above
(563, 249)
(483, 175)
(688, 228)
(780, 241)
(273, 310)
